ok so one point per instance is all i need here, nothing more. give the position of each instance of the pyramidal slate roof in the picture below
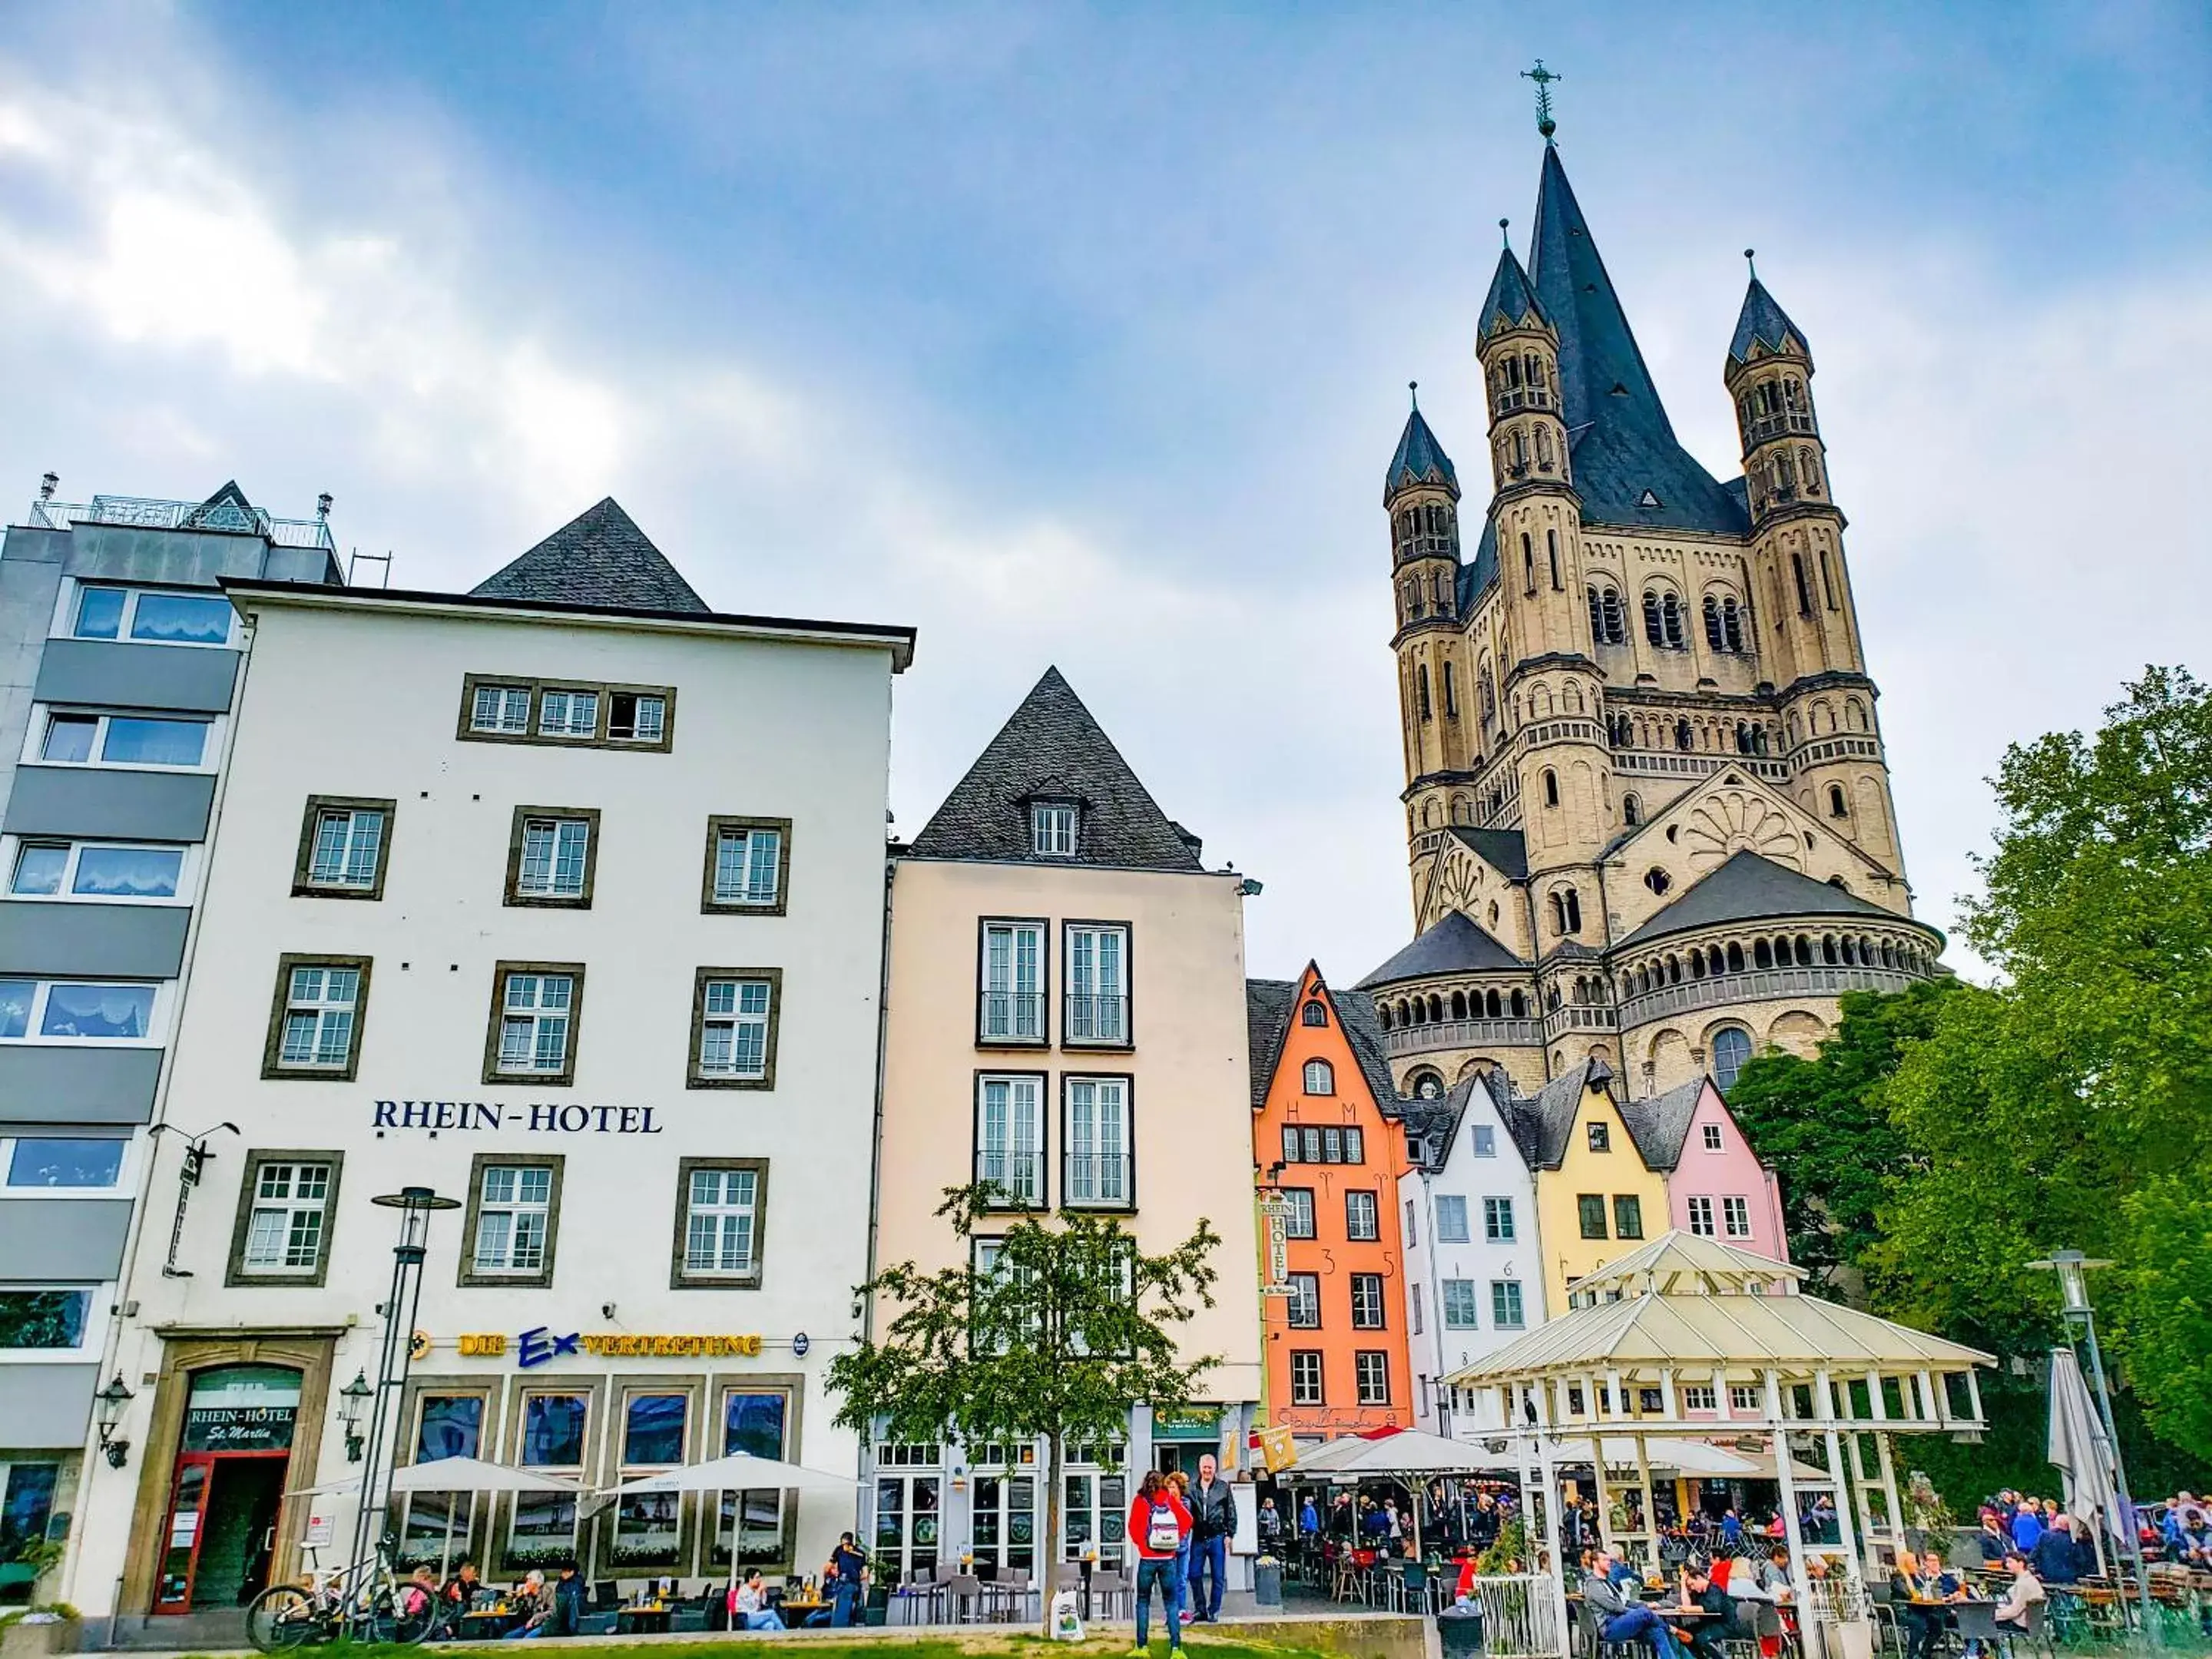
(1453, 944)
(1750, 888)
(1510, 299)
(1051, 749)
(598, 558)
(1420, 459)
(1762, 322)
(1267, 1004)
(1507, 849)
(1628, 466)
(1661, 1124)
(1549, 1115)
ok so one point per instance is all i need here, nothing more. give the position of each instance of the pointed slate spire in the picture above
(1762, 322)
(1630, 469)
(227, 509)
(598, 558)
(1510, 300)
(1420, 460)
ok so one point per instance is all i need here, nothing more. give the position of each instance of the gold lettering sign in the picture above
(628, 1346)
(482, 1344)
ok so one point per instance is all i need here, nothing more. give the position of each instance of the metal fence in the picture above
(1520, 1617)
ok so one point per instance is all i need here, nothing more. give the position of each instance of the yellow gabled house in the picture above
(1596, 1197)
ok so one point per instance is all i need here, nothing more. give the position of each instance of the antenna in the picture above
(356, 558)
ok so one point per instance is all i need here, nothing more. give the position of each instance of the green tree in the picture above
(1821, 1126)
(1052, 1331)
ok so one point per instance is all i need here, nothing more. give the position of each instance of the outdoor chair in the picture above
(1011, 1595)
(1881, 1601)
(964, 1591)
(1108, 1590)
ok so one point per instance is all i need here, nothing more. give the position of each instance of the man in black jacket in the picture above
(1213, 1518)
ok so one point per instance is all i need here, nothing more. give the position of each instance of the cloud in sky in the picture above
(1081, 337)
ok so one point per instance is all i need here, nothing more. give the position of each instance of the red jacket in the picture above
(1141, 1520)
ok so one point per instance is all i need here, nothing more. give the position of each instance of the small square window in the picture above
(1700, 1397)
(552, 857)
(1713, 1137)
(1743, 1397)
(345, 846)
(1052, 830)
(639, 717)
(1486, 1140)
(1600, 1138)
(568, 714)
(503, 710)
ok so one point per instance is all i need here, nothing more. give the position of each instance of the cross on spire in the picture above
(1543, 78)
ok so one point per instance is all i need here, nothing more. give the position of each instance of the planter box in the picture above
(25, 1640)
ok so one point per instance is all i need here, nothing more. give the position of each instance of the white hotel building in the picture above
(563, 897)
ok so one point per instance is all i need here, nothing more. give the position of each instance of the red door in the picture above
(193, 1497)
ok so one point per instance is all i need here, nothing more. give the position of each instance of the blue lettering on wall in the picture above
(540, 1117)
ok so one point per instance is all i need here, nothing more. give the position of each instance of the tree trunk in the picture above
(1048, 1548)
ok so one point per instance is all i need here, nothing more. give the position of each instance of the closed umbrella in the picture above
(2081, 1452)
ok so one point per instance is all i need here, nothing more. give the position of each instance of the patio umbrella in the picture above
(1401, 1451)
(451, 1474)
(2079, 1452)
(738, 1472)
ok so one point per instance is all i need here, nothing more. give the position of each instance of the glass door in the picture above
(1004, 1518)
(172, 1591)
(907, 1513)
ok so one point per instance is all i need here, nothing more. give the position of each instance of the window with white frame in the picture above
(1367, 1301)
(734, 1042)
(1411, 1235)
(1735, 1215)
(346, 845)
(67, 738)
(1323, 1143)
(1498, 1220)
(1505, 1304)
(1485, 1140)
(747, 859)
(1299, 1223)
(568, 714)
(1320, 1078)
(1701, 1217)
(553, 857)
(511, 1234)
(500, 709)
(1097, 984)
(1460, 1305)
(1303, 1310)
(1306, 1377)
(1712, 1137)
(1012, 991)
(318, 1016)
(151, 616)
(51, 1011)
(1370, 1372)
(1743, 1397)
(639, 717)
(108, 872)
(1010, 1137)
(1052, 830)
(1362, 1216)
(721, 1222)
(287, 1221)
(1451, 1219)
(49, 1163)
(1099, 1147)
(1700, 1397)
(536, 1034)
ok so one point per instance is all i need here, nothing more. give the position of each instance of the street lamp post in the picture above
(416, 1205)
(2072, 1269)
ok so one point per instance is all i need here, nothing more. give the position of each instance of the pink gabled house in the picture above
(1716, 1188)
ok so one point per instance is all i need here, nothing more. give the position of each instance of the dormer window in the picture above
(1052, 830)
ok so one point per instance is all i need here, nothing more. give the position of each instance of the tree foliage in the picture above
(1057, 1336)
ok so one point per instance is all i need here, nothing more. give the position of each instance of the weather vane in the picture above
(1543, 78)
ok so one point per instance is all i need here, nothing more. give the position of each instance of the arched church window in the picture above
(1732, 622)
(1520, 452)
(1827, 582)
(1421, 680)
(1731, 1049)
(1551, 787)
(1682, 738)
(1543, 449)
(1451, 694)
(1670, 619)
(1520, 1005)
(1838, 807)
(1631, 811)
(1459, 1005)
(1529, 560)
(1804, 593)
(1559, 914)
(1551, 550)
(1714, 641)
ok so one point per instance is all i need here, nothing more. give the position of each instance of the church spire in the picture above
(1763, 323)
(1420, 459)
(1511, 301)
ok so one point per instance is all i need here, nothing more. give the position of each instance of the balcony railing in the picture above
(1010, 1016)
(1100, 1180)
(1018, 1176)
(1462, 1034)
(1780, 424)
(1758, 985)
(1091, 1017)
(1577, 1016)
(145, 513)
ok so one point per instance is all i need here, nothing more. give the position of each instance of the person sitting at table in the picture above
(567, 1602)
(748, 1607)
(1698, 1590)
(1922, 1586)
(421, 1590)
(1620, 1616)
(465, 1589)
(2025, 1591)
(2055, 1553)
(533, 1606)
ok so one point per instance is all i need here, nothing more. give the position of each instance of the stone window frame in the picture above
(273, 1070)
(537, 686)
(693, 1076)
(235, 1275)
(514, 898)
(680, 1278)
(467, 1277)
(566, 1077)
(711, 906)
(303, 886)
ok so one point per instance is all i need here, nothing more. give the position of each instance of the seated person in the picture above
(1919, 1586)
(1698, 1590)
(567, 1602)
(748, 1607)
(1621, 1617)
(533, 1602)
(464, 1591)
(2056, 1552)
(2025, 1591)
(420, 1591)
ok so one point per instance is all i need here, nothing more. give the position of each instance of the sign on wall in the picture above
(541, 1345)
(499, 1117)
(1275, 1225)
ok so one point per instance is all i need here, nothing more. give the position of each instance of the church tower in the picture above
(1800, 583)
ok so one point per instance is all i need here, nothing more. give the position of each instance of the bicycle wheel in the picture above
(280, 1619)
(403, 1615)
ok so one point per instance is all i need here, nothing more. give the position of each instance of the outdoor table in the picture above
(798, 1609)
(641, 1621)
(490, 1624)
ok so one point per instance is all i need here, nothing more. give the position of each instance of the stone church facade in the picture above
(1647, 810)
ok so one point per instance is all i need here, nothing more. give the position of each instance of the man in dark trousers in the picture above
(1213, 1518)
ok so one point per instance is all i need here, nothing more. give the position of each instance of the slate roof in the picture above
(1749, 888)
(1453, 944)
(1510, 299)
(1363, 1030)
(1762, 322)
(1552, 1111)
(1508, 849)
(1050, 747)
(1623, 444)
(1661, 1124)
(1420, 459)
(1479, 574)
(599, 558)
(1267, 1004)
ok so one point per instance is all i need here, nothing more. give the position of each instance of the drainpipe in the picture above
(875, 1164)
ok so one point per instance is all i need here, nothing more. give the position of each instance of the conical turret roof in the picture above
(1762, 322)
(1420, 460)
(1510, 298)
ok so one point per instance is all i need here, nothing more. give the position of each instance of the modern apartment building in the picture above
(563, 897)
(1065, 1022)
(115, 717)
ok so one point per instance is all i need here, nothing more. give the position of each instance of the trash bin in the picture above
(1268, 1581)
(1458, 1629)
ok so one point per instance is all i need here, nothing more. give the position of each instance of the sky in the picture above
(1080, 335)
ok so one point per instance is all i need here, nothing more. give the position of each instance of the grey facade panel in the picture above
(40, 1084)
(90, 941)
(63, 1240)
(115, 674)
(60, 800)
(45, 1408)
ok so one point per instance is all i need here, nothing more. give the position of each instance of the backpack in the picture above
(1163, 1536)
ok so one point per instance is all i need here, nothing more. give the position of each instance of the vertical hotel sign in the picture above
(1275, 1229)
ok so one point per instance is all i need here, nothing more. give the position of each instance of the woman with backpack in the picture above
(1159, 1524)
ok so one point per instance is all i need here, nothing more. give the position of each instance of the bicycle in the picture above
(368, 1603)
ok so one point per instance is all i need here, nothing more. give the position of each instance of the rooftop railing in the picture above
(146, 513)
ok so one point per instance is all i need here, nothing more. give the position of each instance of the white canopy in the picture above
(1697, 1457)
(738, 1472)
(452, 1474)
(1400, 1451)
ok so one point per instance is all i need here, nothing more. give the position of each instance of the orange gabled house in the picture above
(1335, 1356)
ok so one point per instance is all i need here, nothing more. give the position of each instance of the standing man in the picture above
(1213, 1518)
